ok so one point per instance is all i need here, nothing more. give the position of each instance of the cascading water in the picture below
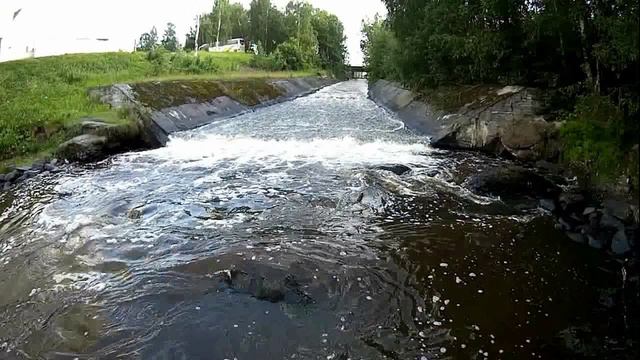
(296, 231)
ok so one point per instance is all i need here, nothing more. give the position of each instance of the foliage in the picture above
(267, 62)
(292, 56)
(190, 40)
(330, 34)
(318, 36)
(148, 41)
(41, 99)
(379, 48)
(591, 136)
(581, 50)
(169, 39)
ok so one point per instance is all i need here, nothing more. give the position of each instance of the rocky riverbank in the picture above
(510, 122)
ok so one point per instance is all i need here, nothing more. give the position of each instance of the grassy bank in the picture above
(42, 99)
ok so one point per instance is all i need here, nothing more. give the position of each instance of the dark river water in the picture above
(276, 235)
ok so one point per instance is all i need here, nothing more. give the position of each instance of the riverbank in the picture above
(510, 122)
(44, 101)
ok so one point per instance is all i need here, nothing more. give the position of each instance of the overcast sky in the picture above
(57, 26)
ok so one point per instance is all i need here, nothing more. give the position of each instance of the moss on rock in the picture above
(163, 94)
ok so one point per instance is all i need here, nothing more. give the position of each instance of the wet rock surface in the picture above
(21, 173)
(84, 148)
(499, 120)
(513, 181)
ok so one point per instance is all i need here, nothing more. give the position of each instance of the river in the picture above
(282, 234)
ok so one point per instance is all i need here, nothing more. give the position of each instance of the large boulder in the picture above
(83, 148)
(507, 124)
(500, 120)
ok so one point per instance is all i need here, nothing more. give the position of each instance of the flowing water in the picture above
(277, 235)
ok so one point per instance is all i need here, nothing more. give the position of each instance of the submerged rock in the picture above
(134, 213)
(512, 182)
(397, 169)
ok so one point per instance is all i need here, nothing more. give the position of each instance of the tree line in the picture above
(584, 52)
(299, 37)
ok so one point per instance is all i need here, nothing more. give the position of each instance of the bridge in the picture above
(357, 72)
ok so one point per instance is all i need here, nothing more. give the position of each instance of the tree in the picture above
(299, 17)
(220, 15)
(169, 40)
(259, 11)
(379, 48)
(190, 40)
(148, 41)
(329, 32)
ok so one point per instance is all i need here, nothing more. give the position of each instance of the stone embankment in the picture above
(510, 121)
(158, 109)
(500, 120)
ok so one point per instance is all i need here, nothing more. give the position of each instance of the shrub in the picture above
(292, 56)
(592, 137)
(267, 63)
(159, 59)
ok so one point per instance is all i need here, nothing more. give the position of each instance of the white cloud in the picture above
(55, 27)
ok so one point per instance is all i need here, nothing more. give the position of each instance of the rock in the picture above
(23, 168)
(6, 186)
(49, 167)
(588, 211)
(548, 205)
(595, 242)
(512, 181)
(594, 220)
(30, 173)
(476, 118)
(96, 127)
(1, 178)
(571, 202)
(620, 244)
(397, 169)
(83, 148)
(134, 214)
(619, 209)
(53, 162)
(433, 173)
(579, 238)
(608, 221)
(38, 165)
(11, 176)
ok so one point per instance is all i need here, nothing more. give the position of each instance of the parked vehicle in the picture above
(234, 45)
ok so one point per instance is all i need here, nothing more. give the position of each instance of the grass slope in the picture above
(41, 99)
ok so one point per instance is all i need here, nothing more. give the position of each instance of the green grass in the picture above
(41, 99)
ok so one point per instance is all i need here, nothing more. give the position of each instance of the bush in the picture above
(159, 59)
(191, 64)
(267, 63)
(592, 137)
(292, 56)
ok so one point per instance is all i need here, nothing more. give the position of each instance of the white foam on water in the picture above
(334, 152)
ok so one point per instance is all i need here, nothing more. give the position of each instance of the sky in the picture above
(59, 26)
